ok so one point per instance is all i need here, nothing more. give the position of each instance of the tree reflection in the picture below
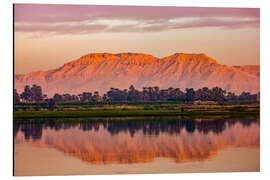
(149, 126)
(33, 131)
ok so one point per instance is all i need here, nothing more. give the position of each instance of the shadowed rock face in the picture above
(101, 71)
(141, 141)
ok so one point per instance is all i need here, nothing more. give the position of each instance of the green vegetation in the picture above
(72, 110)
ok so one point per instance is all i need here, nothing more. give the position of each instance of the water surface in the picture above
(136, 145)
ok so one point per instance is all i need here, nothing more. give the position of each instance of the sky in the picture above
(47, 36)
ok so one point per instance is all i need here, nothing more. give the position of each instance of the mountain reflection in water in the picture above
(137, 140)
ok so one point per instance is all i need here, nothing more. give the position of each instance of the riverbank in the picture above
(191, 111)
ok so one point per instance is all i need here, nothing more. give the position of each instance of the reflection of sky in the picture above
(43, 33)
(99, 145)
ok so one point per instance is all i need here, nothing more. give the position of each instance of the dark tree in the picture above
(248, 97)
(164, 95)
(117, 95)
(218, 94)
(36, 93)
(26, 95)
(153, 94)
(57, 98)
(97, 97)
(190, 94)
(33, 94)
(16, 96)
(203, 94)
(85, 97)
(145, 94)
(176, 95)
(231, 96)
(51, 104)
(134, 95)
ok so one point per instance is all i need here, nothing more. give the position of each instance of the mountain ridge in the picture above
(101, 71)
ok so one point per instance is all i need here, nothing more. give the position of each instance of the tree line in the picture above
(147, 94)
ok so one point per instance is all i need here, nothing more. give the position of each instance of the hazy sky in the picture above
(47, 36)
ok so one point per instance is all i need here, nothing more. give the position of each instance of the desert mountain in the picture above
(101, 71)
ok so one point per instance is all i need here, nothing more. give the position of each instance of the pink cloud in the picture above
(217, 23)
(48, 18)
(63, 29)
(62, 13)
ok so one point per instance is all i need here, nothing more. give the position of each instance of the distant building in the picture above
(205, 102)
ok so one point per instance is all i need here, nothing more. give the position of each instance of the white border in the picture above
(6, 85)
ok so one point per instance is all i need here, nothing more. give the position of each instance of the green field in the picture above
(76, 110)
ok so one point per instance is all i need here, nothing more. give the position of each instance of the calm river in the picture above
(136, 145)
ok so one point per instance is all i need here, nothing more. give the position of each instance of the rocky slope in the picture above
(101, 71)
